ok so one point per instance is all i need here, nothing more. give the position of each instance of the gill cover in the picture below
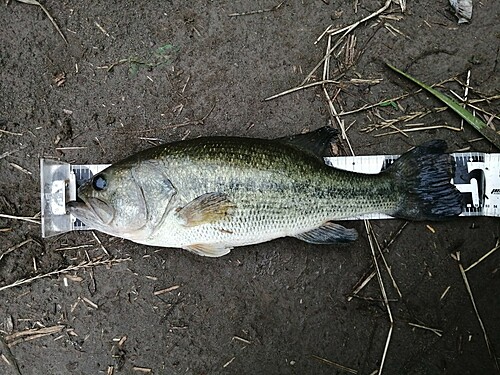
(126, 199)
(156, 190)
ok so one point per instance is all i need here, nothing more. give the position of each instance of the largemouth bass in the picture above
(208, 195)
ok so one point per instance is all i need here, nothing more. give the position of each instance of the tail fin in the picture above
(422, 178)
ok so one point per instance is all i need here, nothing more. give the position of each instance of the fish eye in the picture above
(99, 183)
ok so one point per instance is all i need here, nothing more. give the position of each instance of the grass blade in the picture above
(475, 122)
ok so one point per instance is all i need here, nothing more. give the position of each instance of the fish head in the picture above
(113, 202)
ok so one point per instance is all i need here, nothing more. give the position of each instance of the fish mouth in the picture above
(91, 211)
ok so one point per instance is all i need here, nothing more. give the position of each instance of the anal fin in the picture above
(206, 208)
(209, 250)
(328, 233)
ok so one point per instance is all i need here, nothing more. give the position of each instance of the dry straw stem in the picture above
(242, 340)
(479, 109)
(331, 107)
(276, 7)
(371, 273)
(375, 299)
(166, 290)
(412, 127)
(497, 246)
(228, 362)
(353, 81)
(100, 243)
(401, 131)
(200, 121)
(438, 332)
(336, 365)
(330, 31)
(389, 123)
(3, 131)
(144, 370)
(436, 109)
(31, 334)
(74, 247)
(90, 303)
(86, 264)
(466, 95)
(34, 2)
(8, 356)
(345, 31)
(389, 271)
(70, 148)
(491, 351)
(487, 132)
(21, 169)
(8, 153)
(298, 88)
(374, 272)
(33, 219)
(371, 239)
(103, 30)
(15, 247)
(361, 285)
(351, 27)
(445, 292)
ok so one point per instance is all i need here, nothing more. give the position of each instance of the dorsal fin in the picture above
(316, 142)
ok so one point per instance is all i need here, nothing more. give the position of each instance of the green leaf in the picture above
(164, 49)
(476, 123)
(389, 103)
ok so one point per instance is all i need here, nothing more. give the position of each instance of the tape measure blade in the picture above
(477, 176)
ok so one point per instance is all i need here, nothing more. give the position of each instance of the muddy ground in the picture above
(169, 70)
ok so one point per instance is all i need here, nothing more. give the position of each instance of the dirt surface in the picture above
(169, 70)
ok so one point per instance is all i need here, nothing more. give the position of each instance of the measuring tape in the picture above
(477, 177)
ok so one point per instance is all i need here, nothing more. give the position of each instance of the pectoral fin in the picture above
(209, 250)
(207, 208)
(328, 233)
